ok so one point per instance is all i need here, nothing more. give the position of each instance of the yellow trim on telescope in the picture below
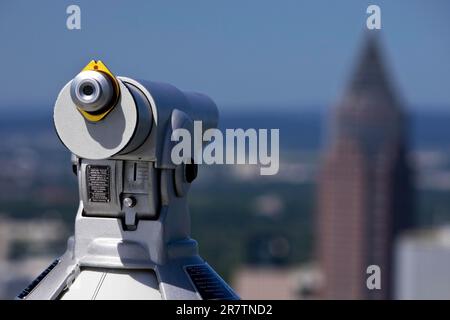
(99, 66)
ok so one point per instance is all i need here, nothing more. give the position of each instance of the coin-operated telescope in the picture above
(132, 230)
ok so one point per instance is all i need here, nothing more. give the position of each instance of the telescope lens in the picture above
(91, 91)
(88, 90)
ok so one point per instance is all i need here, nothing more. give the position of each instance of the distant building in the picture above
(27, 247)
(364, 196)
(423, 265)
(277, 283)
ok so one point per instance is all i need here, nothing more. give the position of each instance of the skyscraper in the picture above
(364, 195)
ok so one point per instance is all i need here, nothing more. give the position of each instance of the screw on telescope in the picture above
(130, 202)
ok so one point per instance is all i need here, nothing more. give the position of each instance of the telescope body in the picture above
(132, 229)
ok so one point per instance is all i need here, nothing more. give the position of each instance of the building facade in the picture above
(422, 260)
(365, 189)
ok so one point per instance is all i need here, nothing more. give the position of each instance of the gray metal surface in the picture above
(132, 229)
(91, 91)
(102, 284)
(95, 140)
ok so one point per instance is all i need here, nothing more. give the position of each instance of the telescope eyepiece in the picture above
(92, 91)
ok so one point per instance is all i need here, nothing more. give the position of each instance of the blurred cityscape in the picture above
(366, 183)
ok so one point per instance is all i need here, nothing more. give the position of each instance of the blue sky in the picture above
(244, 54)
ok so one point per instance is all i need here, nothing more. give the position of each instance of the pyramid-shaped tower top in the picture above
(370, 73)
(369, 90)
(369, 111)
